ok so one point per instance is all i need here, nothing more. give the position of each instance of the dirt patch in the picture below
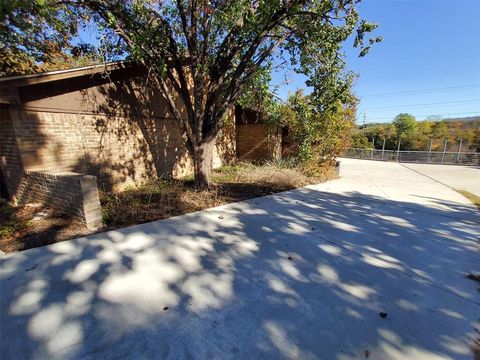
(32, 225)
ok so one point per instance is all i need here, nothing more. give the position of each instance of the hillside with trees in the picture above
(417, 135)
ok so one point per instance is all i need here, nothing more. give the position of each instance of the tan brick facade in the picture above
(258, 142)
(116, 128)
(71, 193)
(117, 150)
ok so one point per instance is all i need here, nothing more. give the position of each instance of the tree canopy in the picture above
(209, 52)
(426, 133)
(405, 124)
(37, 36)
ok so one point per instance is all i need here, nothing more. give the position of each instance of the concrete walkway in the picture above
(302, 274)
(457, 177)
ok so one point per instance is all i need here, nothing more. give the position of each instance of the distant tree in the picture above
(424, 132)
(378, 132)
(360, 141)
(439, 130)
(405, 124)
(475, 145)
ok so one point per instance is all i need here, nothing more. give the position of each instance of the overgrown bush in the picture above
(316, 137)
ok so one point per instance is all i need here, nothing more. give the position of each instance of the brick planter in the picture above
(73, 194)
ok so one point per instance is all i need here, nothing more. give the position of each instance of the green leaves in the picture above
(405, 124)
(38, 35)
(111, 20)
(317, 136)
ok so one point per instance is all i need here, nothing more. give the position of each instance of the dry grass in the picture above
(11, 220)
(22, 228)
(472, 197)
(162, 199)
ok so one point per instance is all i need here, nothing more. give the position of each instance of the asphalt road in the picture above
(371, 265)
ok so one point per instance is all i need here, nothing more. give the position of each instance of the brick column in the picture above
(92, 210)
(73, 194)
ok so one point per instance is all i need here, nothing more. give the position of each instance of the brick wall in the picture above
(117, 150)
(73, 194)
(10, 159)
(116, 128)
(258, 142)
(46, 157)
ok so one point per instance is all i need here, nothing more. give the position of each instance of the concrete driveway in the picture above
(457, 177)
(302, 274)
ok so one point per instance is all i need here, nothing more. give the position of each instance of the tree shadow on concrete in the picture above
(300, 274)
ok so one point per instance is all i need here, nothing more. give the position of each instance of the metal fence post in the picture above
(373, 148)
(398, 148)
(459, 150)
(466, 158)
(444, 150)
(430, 150)
(383, 149)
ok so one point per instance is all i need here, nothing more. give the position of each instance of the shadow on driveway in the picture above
(300, 274)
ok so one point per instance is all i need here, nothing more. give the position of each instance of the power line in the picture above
(443, 115)
(428, 104)
(422, 90)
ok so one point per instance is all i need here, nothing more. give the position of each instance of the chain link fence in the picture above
(426, 157)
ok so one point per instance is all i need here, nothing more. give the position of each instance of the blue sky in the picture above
(432, 46)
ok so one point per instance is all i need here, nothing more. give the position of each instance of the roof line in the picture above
(64, 71)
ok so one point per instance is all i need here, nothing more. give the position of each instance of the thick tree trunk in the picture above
(202, 159)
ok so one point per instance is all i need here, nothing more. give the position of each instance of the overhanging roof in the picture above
(9, 85)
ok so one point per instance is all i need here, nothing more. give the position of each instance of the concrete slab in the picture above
(301, 274)
(458, 177)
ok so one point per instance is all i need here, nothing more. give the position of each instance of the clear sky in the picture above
(432, 46)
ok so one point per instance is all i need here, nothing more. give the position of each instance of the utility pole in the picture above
(444, 150)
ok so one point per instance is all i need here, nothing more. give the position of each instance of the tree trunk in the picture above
(202, 160)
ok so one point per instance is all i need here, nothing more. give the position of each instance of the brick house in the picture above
(63, 133)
